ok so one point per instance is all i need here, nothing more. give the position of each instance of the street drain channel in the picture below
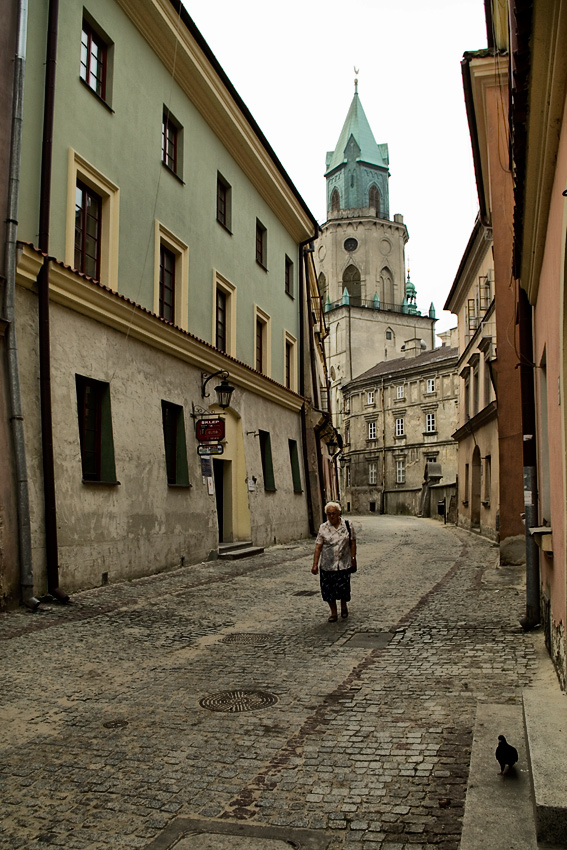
(306, 593)
(115, 724)
(246, 638)
(240, 700)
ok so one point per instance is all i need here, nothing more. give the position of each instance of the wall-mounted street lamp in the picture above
(343, 461)
(332, 446)
(224, 390)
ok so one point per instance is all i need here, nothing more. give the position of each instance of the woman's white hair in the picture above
(333, 505)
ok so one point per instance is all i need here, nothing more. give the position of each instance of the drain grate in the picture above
(370, 640)
(115, 724)
(235, 701)
(246, 638)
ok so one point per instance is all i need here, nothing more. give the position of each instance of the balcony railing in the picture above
(369, 305)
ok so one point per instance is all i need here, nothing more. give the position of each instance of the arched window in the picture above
(374, 200)
(335, 201)
(387, 287)
(351, 279)
(322, 281)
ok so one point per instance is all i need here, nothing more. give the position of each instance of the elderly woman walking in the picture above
(335, 553)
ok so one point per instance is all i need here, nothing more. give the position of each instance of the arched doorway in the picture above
(475, 490)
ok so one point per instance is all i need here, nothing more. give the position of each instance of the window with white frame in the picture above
(400, 426)
(372, 473)
(400, 391)
(370, 397)
(430, 385)
(91, 225)
(400, 472)
(372, 430)
(429, 422)
(171, 277)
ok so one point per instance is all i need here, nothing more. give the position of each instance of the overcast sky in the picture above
(293, 65)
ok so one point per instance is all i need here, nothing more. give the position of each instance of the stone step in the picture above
(241, 549)
(498, 809)
(545, 716)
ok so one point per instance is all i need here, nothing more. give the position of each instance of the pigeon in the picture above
(506, 755)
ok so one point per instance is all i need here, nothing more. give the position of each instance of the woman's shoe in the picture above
(333, 618)
(344, 613)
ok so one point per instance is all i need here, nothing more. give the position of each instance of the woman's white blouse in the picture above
(335, 554)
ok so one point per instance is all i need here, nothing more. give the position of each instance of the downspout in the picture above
(14, 389)
(303, 293)
(383, 498)
(532, 616)
(51, 547)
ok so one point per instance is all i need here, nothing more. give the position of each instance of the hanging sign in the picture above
(210, 429)
(213, 449)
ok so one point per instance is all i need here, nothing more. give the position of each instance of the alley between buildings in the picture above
(217, 700)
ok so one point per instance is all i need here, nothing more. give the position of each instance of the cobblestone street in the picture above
(361, 731)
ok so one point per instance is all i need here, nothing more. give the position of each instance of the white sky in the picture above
(293, 65)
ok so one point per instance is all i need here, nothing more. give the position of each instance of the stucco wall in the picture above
(142, 526)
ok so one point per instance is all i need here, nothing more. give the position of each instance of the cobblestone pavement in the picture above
(104, 741)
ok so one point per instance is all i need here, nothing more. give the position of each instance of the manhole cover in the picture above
(115, 724)
(370, 640)
(234, 701)
(306, 593)
(249, 638)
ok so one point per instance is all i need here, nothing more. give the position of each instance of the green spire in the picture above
(357, 126)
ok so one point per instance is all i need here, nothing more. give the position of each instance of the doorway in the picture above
(218, 473)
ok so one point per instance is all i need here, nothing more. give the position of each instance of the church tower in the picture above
(371, 309)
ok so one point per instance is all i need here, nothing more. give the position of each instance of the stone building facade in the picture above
(137, 279)
(370, 303)
(398, 417)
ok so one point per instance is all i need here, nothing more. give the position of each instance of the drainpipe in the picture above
(383, 497)
(51, 547)
(14, 389)
(532, 616)
(304, 294)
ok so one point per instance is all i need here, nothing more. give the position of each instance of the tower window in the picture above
(374, 200)
(335, 201)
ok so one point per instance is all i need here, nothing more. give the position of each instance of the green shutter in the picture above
(267, 467)
(294, 460)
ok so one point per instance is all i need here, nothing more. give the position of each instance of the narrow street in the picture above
(355, 734)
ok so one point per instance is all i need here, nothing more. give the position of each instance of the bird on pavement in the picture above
(506, 755)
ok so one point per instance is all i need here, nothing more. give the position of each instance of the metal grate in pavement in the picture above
(369, 640)
(246, 638)
(240, 700)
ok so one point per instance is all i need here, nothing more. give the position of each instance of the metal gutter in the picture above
(14, 388)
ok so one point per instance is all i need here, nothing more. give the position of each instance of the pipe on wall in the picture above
(14, 388)
(50, 504)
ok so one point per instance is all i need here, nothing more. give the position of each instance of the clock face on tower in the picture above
(351, 244)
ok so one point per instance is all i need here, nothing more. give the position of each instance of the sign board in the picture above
(215, 449)
(206, 467)
(210, 429)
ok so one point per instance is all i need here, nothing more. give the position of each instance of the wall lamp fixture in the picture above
(223, 390)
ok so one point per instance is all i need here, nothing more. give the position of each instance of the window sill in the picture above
(97, 96)
(290, 295)
(270, 490)
(224, 227)
(430, 433)
(100, 483)
(179, 486)
(400, 437)
(262, 266)
(173, 173)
